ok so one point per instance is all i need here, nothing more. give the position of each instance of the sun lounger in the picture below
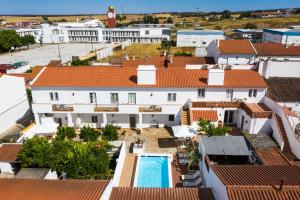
(192, 183)
(192, 176)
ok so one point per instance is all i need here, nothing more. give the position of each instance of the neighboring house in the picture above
(29, 189)
(290, 37)
(232, 53)
(198, 38)
(233, 171)
(8, 157)
(146, 96)
(14, 103)
(278, 60)
(36, 173)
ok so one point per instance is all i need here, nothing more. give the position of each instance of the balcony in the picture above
(62, 108)
(152, 108)
(102, 108)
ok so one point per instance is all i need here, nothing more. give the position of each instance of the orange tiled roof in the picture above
(209, 115)
(177, 61)
(243, 47)
(8, 152)
(272, 156)
(276, 49)
(30, 76)
(257, 174)
(130, 193)
(37, 189)
(263, 193)
(127, 78)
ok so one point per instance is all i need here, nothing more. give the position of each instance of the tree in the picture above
(203, 125)
(250, 26)
(9, 39)
(217, 131)
(226, 14)
(170, 20)
(149, 19)
(59, 155)
(79, 62)
(27, 40)
(88, 134)
(45, 18)
(245, 15)
(166, 44)
(110, 133)
(64, 133)
(35, 152)
(183, 53)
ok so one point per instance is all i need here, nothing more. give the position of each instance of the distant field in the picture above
(139, 51)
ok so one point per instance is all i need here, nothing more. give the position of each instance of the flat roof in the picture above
(225, 145)
(200, 32)
(32, 173)
(285, 31)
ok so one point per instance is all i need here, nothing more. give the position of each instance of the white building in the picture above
(146, 96)
(198, 38)
(93, 31)
(14, 104)
(283, 36)
(239, 54)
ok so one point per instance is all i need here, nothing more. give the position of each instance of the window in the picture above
(51, 96)
(172, 97)
(147, 32)
(93, 98)
(252, 93)
(171, 118)
(114, 98)
(201, 93)
(229, 94)
(132, 98)
(56, 96)
(94, 119)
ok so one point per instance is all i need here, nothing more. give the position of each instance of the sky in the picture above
(19, 7)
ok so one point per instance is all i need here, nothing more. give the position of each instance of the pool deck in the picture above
(177, 171)
(128, 171)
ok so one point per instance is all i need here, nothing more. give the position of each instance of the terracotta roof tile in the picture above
(243, 47)
(263, 193)
(284, 89)
(8, 152)
(37, 189)
(130, 193)
(29, 76)
(209, 115)
(127, 78)
(272, 156)
(276, 49)
(257, 174)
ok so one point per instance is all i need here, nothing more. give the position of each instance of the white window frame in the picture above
(56, 96)
(132, 98)
(94, 118)
(229, 94)
(51, 95)
(93, 97)
(201, 93)
(114, 98)
(172, 97)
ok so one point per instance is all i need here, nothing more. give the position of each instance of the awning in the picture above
(184, 131)
(46, 128)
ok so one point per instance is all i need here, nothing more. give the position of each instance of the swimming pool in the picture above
(153, 171)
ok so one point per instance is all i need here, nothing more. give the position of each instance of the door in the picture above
(58, 120)
(242, 123)
(228, 118)
(132, 122)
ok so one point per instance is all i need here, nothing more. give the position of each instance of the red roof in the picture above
(130, 193)
(9, 152)
(263, 193)
(208, 115)
(257, 174)
(29, 76)
(272, 156)
(37, 189)
(276, 49)
(243, 47)
(127, 78)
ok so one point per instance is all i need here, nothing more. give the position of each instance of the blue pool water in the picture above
(153, 172)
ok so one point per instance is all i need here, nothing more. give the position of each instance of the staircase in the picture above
(185, 117)
(286, 147)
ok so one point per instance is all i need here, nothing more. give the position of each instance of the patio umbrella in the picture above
(183, 131)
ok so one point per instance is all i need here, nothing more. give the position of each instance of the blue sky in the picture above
(135, 6)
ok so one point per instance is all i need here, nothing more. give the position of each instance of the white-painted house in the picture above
(129, 97)
(14, 104)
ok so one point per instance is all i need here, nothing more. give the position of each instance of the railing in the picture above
(151, 108)
(106, 108)
(62, 108)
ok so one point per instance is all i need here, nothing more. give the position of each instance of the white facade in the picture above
(93, 31)
(198, 38)
(14, 104)
(283, 36)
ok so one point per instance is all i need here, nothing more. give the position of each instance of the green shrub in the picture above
(110, 133)
(64, 133)
(88, 134)
(183, 53)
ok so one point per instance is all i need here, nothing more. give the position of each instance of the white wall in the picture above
(6, 167)
(197, 40)
(269, 68)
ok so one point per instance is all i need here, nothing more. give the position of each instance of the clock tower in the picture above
(111, 17)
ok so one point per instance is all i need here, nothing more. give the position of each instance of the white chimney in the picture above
(215, 77)
(146, 75)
